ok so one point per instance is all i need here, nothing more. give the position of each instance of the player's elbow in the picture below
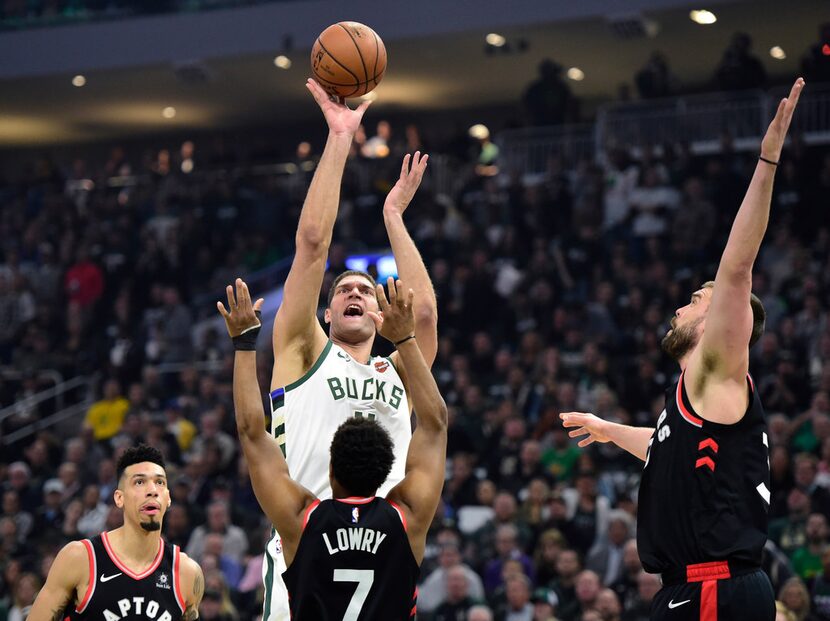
(311, 238)
(426, 315)
(438, 419)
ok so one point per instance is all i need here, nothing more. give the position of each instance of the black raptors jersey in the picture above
(116, 593)
(704, 493)
(354, 563)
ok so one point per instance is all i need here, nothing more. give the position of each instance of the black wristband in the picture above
(404, 340)
(247, 340)
(763, 159)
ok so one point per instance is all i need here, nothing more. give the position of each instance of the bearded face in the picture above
(680, 340)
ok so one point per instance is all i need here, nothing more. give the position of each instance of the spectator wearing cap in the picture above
(49, 517)
(544, 603)
(458, 600)
(106, 416)
(433, 591)
(517, 606)
(606, 555)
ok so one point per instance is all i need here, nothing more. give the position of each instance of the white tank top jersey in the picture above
(304, 416)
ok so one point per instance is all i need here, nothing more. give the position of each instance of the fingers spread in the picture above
(258, 304)
(405, 165)
(585, 442)
(393, 292)
(383, 303)
(222, 311)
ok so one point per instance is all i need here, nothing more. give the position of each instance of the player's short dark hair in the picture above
(337, 280)
(759, 314)
(136, 455)
(361, 456)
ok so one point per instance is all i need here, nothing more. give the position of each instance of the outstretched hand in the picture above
(586, 425)
(240, 315)
(404, 190)
(773, 142)
(342, 120)
(396, 319)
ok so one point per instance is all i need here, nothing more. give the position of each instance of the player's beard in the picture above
(151, 526)
(680, 341)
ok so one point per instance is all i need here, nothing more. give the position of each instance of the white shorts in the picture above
(275, 606)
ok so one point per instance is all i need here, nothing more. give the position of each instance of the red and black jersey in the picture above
(115, 593)
(354, 561)
(704, 494)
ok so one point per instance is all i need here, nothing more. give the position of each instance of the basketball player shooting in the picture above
(354, 557)
(129, 572)
(704, 494)
(320, 381)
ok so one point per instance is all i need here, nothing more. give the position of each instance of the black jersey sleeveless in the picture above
(353, 563)
(115, 593)
(704, 493)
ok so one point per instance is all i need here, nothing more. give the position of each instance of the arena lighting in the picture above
(78, 81)
(777, 53)
(283, 62)
(576, 74)
(703, 17)
(496, 40)
(384, 263)
(169, 112)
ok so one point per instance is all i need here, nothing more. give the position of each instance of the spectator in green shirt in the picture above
(806, 560)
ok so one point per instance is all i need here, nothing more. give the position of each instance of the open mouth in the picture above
(353, 310)
(150, 510)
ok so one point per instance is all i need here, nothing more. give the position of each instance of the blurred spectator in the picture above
(815, 66)
(507, 548)
(606, 556)
(106, 416)
(84, 281)
(94, 514)
(608, 605)
(458, 600)
(548, 100)
(517, 606)
(807, 559)
(235, 542)
(588, 587)
(654, 79)
(479, 613)
(24, 596)
(739, 69)
(626, 586)
(647, 587)
(567, 568)
(820, 588)
(788, 532)
(795, 597)
(433, 590)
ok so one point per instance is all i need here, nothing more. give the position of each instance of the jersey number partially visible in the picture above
(370, 414)
(364, 579)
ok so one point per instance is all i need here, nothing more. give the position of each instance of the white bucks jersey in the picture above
(306, 413)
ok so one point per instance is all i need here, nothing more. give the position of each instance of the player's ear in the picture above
(327, 315)
(118, 497)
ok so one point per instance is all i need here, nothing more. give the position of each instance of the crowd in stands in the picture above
(554, 292)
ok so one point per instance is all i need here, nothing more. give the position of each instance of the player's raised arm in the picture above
(420, 490)
(632, 439)
(296, 328)
(69, 570)
(411, 268)
(282, 499)
(725, 354)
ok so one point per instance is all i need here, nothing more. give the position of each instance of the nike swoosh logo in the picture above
(673, 605)
(108, 578)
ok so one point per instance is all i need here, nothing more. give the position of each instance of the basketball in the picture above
(348, 59)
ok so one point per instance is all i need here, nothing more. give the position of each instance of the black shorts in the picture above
(712, 596)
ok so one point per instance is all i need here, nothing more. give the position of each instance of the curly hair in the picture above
(361, 456)
(137, 455)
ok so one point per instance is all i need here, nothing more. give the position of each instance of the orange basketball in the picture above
(348, 59)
